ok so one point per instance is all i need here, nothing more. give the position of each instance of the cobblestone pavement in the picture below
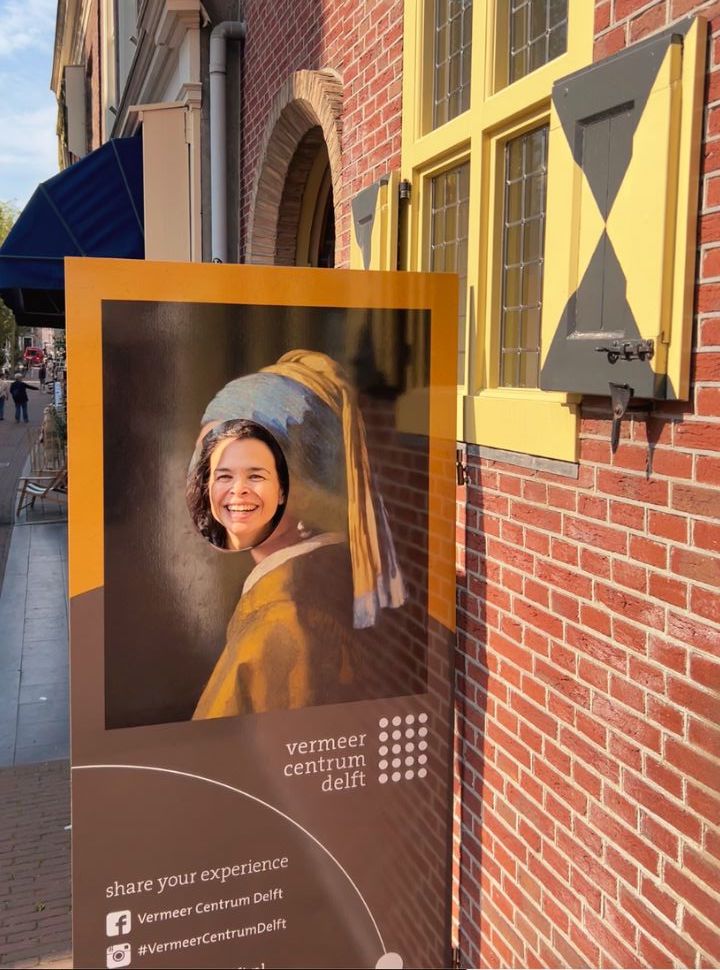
(35, 865)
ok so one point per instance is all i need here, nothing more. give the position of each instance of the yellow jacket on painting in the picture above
(290, 642)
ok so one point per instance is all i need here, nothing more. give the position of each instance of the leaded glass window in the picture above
(449, 237)
(537, 34)
(452, 62)
(523, 252)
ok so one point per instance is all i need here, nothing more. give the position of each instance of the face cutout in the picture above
(244, 490)
(238, 484)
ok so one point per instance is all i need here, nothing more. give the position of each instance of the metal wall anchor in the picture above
(628, 350)
(620, 395)
(463, 477)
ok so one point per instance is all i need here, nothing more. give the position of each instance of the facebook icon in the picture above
(118, 924)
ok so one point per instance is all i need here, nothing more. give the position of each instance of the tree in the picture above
(8, 330)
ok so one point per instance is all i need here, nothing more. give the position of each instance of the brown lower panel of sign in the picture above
(288, 839)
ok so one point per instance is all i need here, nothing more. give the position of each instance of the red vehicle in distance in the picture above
(33, 356)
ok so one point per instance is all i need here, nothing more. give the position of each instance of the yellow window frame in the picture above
(513, 419)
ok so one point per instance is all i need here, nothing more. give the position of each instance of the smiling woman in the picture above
(237, 490)
(245, 493)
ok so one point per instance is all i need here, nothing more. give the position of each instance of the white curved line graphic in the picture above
(222, 784)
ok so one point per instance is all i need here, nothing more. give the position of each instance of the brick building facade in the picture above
(588, 611)
(589, 617)
(362, 45)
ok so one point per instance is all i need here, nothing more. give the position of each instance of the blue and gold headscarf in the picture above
(306, 401)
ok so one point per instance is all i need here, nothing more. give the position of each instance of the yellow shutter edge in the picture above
(384, 239)
(389, 206)
(356, 257)
(690, 134)
(646, 204)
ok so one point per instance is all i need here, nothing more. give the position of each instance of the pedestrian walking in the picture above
(4, 394)
(18, 392)
(41, 376)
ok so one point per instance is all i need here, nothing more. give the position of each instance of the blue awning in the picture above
(92, 208)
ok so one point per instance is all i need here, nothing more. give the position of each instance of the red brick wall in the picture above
(590, 652)
(589, 617)
(362, 42)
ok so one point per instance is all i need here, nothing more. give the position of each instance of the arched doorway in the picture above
(294, 218)
(306, 218)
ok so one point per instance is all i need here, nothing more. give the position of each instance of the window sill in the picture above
(522, 420)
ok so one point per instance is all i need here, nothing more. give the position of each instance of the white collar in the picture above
(301, 548)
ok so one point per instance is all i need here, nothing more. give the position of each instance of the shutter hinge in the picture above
(456, 963)
(463, 476)
(404, 190)
(620, 395)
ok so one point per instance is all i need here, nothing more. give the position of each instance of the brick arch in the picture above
(307, 99)
(288, 221)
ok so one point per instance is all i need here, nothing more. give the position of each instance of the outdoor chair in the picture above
(47, 488)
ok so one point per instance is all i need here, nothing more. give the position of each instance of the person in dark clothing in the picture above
(18, 392)
(42, 373)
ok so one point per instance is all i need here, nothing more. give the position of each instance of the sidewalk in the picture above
(34, 771)
(14, 449)
(34, 653)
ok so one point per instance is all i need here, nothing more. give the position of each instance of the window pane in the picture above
(532, 233)
(513, 244)
(530, 328)
(534, 195)
(523, 253)
(513, 288)
(538, 20)
(537, 33)
(557, 41)
(514, 201)
(528, 369)
(438, 224)
(537, 54)
(515, 160)
(509, 370)
(531, 284)
(448, 238)
(512, 330)
(453, 49)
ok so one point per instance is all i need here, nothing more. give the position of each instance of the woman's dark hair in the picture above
(198, 493)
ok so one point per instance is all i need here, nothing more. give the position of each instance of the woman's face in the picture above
(244, 490)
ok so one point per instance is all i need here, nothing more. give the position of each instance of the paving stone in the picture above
(40, 670)
(7, 754)
(42, 753)
(34, 810)
(44, 680)
(32, 723)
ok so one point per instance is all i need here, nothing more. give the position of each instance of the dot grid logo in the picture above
(403, 748)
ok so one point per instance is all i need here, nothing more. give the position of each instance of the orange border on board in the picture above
(90, 281)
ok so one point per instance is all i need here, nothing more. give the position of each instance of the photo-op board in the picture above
(261, 478)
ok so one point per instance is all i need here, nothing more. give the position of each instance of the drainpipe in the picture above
(227, 30)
